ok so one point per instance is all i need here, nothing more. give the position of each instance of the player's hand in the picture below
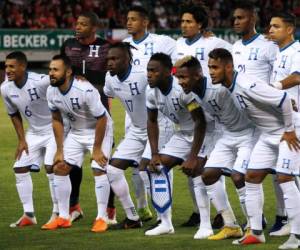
(22, 146)
(81, 78)
(189, 165)
(99, 157)
(59, 157)
(292, 140)
(154, 163)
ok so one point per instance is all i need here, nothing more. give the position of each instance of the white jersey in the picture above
(173, 105)
(218, 102)
(200, 48)
(255, 57)
(149, 45)
(287, 63)
(30, 100)
(261, 102)
(131, 91)
(81, 104)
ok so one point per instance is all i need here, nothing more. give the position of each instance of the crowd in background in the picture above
(53, 14)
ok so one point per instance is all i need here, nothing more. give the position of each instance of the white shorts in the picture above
(40, 147)
(127, 122)
(232, 152)
(209, 143)
(75, 147)
(132, 146)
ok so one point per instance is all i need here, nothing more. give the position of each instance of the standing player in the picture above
(146, 44)
(91, 130)
(277, 148)
(87, 53)
(24, 95)
(253, 54)
(183, 147)
(286, 75)
(127, 83)
(194, 22)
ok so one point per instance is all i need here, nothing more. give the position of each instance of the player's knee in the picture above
(22, 170)
(238, 179)
(253, 176)
(143, 164)
(49, 169)
(61, 169)
(282, 178)
(211, 176)
(98, 172)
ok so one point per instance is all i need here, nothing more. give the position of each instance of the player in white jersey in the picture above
(233, 148)
(168, 97)
(24, 95)
(91, 130)
(253, 54)
(194, 42)
(127, 83)
(277, 148)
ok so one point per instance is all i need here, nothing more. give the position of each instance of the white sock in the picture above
(297, 181)
(242, 197)
(219, 198)
(144, 176)
(292, 204)
(280, 207)
(202, 202)
(139, 189)
(102, 189)
(63, 191)
(254, 204)
(52, 192)
(24, 188)
(120, 187)
(166, 218)
(192, 193)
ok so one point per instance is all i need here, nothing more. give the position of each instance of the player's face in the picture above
(14, 70)
(117, 61)
(57, 73)
(84, 28)
(216, 70)
(242, 21)
(279, 30)
(156, 73)
(135, 23)
(189, 26)
(185, 79)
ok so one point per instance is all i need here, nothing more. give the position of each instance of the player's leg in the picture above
(75, 178)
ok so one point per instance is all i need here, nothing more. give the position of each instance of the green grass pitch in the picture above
(79, 236)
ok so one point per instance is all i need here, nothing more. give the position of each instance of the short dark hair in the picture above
(139, 9)
(245, 5)
(125, 46)
(189, 62)
(64, 58)
(222, 54)
(92, 16)
(286, 17)
(19, 56)
(164, 59)
(199, 12)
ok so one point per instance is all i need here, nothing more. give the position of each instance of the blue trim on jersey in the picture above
(126, 75)
(282, 100)
(246, 42)
(24, 82)
(142, 39)
(203, 87)
(285, 47)
(103, 114)
(193, 40)
(170, 87)
(231, 88)
(69, 88)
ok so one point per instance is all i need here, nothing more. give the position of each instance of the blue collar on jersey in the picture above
(142, 39)
(203, 87)
(285, 47)
(231, 88)
(126, 75)
(246, 42)
(193, 40)
(24, 82)
(170, 88)
(70, 86)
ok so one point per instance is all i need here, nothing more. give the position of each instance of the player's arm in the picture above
(288, 82)
(16, 119)
(199, 134)
(58, 129)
